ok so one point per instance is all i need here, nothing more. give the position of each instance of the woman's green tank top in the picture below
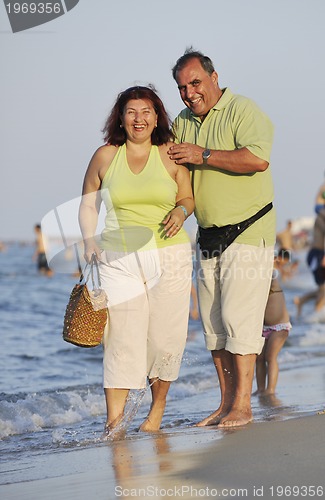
(136, 205)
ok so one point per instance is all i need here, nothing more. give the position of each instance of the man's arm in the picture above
(240, 161)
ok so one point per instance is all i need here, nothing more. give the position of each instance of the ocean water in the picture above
(51, 395)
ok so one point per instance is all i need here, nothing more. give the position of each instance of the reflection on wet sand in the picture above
(133, 460)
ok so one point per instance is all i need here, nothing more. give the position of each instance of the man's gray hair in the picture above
(189, 54)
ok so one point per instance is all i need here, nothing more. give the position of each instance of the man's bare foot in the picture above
(215, 417)
(236, 418)
(298, 303)
(212, 419)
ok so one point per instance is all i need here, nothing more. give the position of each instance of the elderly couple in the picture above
(148, 174)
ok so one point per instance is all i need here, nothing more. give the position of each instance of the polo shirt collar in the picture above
(224, 99)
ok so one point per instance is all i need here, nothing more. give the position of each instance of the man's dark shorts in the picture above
(314, 259)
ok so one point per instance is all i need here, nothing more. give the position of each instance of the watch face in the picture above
(206, 154)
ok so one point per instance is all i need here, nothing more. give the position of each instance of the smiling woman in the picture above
(144, 253)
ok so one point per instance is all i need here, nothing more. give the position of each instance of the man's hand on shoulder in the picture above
(186, 153)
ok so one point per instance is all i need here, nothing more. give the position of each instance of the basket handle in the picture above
(85, 277)
(94, 263)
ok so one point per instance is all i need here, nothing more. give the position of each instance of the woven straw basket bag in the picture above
(86, 314)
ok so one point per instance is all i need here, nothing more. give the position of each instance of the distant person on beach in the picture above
(275, 331)
(320, 199)
(286, 264)
(40, 252)
(225, 140)
(144, 253)
(316, 263)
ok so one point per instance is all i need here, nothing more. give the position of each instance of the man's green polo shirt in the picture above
(224, 197)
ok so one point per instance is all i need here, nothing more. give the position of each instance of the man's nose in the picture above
(189, 92)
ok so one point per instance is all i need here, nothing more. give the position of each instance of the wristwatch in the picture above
(205, 155)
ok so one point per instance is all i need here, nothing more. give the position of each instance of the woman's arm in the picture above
(176, 217)
(91, 199)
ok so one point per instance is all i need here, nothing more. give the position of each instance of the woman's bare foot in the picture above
(113, 433)
(236, 418)
(153, 421)
(268, 392)
(113, 430)
(147, 426)
(258, 392)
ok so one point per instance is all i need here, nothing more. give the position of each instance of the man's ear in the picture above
(215, 77)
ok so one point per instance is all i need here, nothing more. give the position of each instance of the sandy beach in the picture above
(52, 415)
(263, 460)
(259, 460)
(278, 458)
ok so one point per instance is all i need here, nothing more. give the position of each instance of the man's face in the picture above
(198, 90)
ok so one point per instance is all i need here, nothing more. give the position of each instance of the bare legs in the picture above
(115, 403)
(267, 363)
(235, 374)
(300, 301)
(116, 399)
(317, 295)
(159, 390)
(224, 365)
(241, 411)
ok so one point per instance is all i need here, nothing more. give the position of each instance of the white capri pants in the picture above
(233, 290)
(148, 300)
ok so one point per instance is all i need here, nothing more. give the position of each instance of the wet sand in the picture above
(282, 448)
(258, 460)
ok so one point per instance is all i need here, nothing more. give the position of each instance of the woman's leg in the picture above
(274, 346)
(159, 390)
(115, 403)
(125, 336)
(169, 301)
(261, 371)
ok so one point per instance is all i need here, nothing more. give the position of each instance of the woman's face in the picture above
(139, 120)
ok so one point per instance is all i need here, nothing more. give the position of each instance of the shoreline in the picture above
(191, 463)
(281, 448)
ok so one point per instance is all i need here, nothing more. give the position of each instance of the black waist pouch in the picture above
(214, 240)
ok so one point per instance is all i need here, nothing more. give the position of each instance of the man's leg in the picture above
(241, 411)
(245, 275)
(223, 361)
(215, 334)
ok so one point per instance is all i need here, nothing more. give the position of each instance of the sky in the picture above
(60, 80)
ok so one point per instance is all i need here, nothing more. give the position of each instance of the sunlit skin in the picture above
(139, 120)
(198, 90)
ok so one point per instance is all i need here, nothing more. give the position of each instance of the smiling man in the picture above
(225, 141)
